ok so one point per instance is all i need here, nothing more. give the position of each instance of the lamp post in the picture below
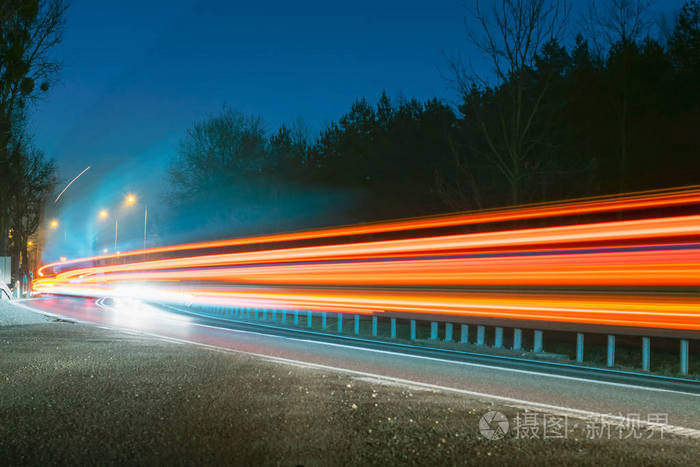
(130, 200)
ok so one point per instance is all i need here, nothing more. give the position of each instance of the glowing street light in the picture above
(105, 251)
(30, 243)
(54, 224)
(130, 201)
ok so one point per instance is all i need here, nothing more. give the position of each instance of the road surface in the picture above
(575, 394)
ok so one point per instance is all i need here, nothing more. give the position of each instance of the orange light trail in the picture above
(642, 200)
(641, 254)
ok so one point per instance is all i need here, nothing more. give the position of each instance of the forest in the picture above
(614, 109)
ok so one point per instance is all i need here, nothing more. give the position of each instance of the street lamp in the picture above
(54, 224)
(130, 201)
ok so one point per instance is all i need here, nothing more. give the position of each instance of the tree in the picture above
(507, 115)
(36, 179)
(684, 43)
(684, 48)
(386, 156)
(29, 30)
(616, 27)
(610, 22)
(222, 152)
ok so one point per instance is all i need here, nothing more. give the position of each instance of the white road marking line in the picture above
(509, 401)
(514, 370)
(100, 303)
(391, 383)
(436, 359)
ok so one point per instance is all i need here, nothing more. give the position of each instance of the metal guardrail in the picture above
(450, 332)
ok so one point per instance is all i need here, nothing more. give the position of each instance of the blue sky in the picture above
(137, 74)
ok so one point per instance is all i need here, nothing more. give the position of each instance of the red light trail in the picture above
(582, 266)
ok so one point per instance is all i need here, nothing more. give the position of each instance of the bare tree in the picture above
(35, 180)
(610, 22)
(615, 27)
(29, 30)
(510, 34)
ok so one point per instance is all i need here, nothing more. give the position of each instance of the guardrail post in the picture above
(433, 331)
(498, 338)
(323, 320)
(374, 326)
(464, 334)
(340, 322)
(448, 332)
(413, 329)
(296, 317)
(517, 339)
(284, 316)
(538, 347)
(309, 318)
(646, 353)
(684, 356)
(265, 314)
(357, 324)
(480, 335)
(611, 350)
(393, 328)
(274, 316)
(579, 347)
(256, 314)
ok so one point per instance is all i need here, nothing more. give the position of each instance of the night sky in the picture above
(137, 74)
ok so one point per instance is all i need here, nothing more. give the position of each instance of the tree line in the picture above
(29, 30)
(617, 109)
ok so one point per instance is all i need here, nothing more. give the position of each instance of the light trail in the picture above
(70, 183)
(642, 200)
(642, 254)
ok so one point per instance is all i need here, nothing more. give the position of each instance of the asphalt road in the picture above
(575, 395)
